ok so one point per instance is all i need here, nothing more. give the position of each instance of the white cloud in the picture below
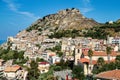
(86, 2)
(28, 14)
(87, 7)
(13, 7)
(85, 10)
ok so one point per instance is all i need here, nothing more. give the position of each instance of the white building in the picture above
(54, 59)
(12, 72)
(43, 67)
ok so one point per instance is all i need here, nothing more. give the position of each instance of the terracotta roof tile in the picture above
(99, 53)
(114, 74)
(12, 68)
(85, 60)
(51, 54)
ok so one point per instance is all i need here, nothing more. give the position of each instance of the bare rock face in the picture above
(64, 19)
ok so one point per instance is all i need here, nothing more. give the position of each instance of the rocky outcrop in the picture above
(64, 19)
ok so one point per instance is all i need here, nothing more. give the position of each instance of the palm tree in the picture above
(100, 62)
(90, 54)
(108, 52)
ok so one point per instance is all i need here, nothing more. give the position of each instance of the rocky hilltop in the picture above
(64, 19)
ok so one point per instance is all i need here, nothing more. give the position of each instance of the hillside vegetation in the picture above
(98, 32)
(71, 23)
(101, 32)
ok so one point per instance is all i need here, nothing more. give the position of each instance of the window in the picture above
(78, 51)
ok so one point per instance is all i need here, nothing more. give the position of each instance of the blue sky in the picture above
(16, 15)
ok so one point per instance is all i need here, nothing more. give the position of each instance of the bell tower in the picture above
(78, 53)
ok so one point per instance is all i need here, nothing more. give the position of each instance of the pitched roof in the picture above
(52, 54)
(85, 60)
(12, 68)
(100, 53)
(114, 74)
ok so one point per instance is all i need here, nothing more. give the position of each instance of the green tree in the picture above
(108, 52)
(21, 55)
(117, 61)
(10, 55)
(33, 72)
(38, 45)
(50, 77)
(39, 59)
(100, 62)
(15, 54)
(59, 53)
(117, 58)
(78, 72)
(63, 64)
(57, 47)
(107, 67)
(57, 68)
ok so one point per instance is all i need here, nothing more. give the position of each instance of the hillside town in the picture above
(63, 46)
(75, 50)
